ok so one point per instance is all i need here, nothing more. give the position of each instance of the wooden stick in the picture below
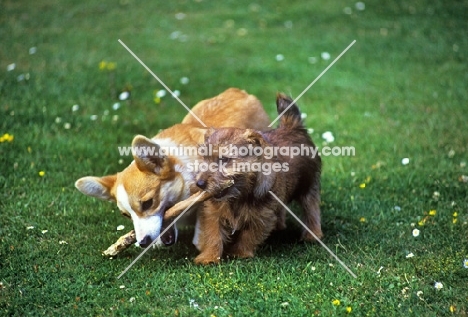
(198, 198)
(122, 243)
(178, 208)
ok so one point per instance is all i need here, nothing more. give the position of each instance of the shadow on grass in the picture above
(279, 242)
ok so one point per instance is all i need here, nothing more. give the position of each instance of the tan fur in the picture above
(163, 180)
(241, 217)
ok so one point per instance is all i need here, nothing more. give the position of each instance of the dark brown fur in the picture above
(241, 217)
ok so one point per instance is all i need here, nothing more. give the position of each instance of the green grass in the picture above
(399, 92)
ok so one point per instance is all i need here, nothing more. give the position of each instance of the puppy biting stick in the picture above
(128, 239)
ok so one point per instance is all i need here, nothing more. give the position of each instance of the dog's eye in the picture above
(224, 159)
(147, 204)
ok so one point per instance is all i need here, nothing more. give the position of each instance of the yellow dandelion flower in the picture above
(455, 214)
(349, 309)
(362, 219)
(111, 66)
(452, 309)
(432, 212)
(421, 222)
(41, 173)
(6, 138)
(102, 65)
(454, 220)
(336, 302)
(363, 185)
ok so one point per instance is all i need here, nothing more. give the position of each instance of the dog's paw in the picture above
(241, 253)
(306, 236)
(203, 259)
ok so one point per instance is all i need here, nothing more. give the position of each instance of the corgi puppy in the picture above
(156, 180)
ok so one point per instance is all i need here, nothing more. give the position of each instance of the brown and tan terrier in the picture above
(239, 218)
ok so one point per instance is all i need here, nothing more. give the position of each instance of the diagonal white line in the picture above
(312, 83)
(162, 83)
(313, 234)
(164, 231)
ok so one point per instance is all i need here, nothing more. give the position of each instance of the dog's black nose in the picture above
(201, 183)
(146, 241)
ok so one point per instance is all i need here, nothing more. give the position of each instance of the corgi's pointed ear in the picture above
(99, 187)
(147, 156)
(253, 137)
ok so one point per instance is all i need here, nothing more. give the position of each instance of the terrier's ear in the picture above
(208, 133)
(99, 187)
(148, 155)
(253, 137)
(285, 106)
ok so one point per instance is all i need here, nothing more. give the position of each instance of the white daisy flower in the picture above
(124, 95)
(161, 93)
(328, 137)
(180, 16)
(361, 6)
(11, 67)
(325, 56)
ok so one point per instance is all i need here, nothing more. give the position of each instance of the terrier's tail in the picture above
(291, 118)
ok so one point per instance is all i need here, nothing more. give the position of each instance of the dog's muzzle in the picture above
(222, 193)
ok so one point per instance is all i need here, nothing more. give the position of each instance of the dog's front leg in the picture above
(210, 237)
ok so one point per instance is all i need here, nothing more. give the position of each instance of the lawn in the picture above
(398, 96)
